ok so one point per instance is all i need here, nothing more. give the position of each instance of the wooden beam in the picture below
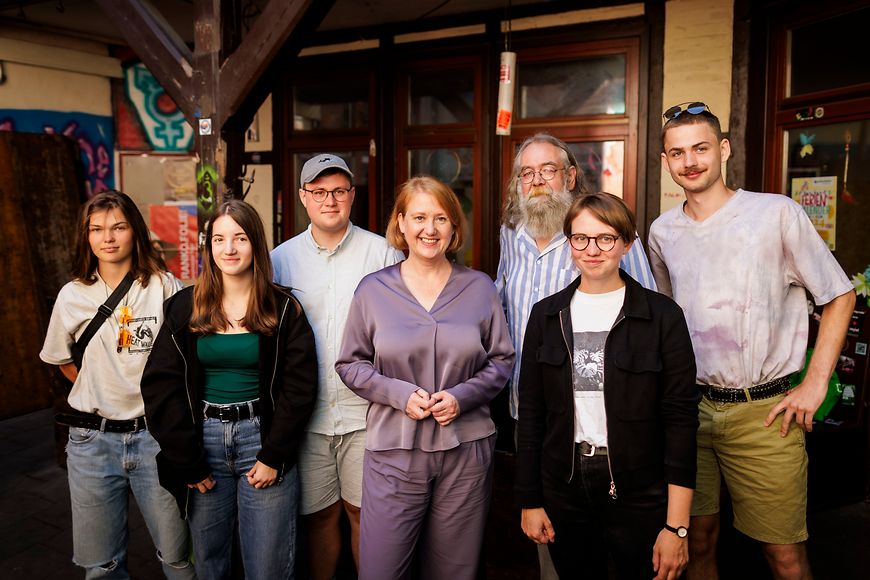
(244, 67)
(158, 46)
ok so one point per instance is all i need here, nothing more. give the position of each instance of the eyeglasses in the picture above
(547, 174)
(605, 242)
(319, 195)
(693, 108)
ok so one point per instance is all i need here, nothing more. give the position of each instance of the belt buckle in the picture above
(591, 451)
(225, 414)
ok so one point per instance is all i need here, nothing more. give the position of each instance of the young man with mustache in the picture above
(740, 263)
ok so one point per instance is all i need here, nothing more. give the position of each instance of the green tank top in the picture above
(232, 367)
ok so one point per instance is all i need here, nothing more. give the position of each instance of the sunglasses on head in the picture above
(693, 108)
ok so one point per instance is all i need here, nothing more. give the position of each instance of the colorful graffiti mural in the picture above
(163, 122)
(93, 133)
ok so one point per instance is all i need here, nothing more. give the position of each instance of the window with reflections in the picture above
(834, 159)
(320, 106)
(587, 95)
(572, 88)
(603, 164)
(828, 54)
(455, 167)
(441, 97)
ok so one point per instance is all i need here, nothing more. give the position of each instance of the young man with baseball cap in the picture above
(323, 266)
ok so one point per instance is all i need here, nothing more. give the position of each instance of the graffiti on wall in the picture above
(93, 133)
(163, 123)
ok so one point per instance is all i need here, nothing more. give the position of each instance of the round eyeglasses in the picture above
(604, 242)
(547, 174)
(319, 195)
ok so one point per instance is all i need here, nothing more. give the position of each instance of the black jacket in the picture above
(172, 390)
(650, 396)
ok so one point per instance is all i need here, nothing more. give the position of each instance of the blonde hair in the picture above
(445, 197)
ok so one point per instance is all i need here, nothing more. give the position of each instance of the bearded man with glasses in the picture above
(535, 256)
(323, 266)
(740, 264)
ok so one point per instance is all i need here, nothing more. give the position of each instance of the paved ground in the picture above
(36, 541)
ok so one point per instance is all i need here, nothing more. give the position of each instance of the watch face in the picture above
(682, 532)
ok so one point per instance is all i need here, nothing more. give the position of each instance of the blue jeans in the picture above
(103, 468)
(266, 518)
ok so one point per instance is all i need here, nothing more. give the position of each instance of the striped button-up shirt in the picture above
(526, 275)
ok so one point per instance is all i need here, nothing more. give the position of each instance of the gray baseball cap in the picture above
(320, 163)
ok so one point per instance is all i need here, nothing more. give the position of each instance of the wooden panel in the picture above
(40, 192)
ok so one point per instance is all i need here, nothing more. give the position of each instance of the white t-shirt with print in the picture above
(592, 317)
(108, 382)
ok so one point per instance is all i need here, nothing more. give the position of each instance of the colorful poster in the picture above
(93, 133)
(173, 229)
(818, 197)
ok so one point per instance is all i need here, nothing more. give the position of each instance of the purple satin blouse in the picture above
(392, 346)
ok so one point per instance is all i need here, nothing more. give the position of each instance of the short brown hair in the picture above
(685, 118)
(446, 199)
(608, 209)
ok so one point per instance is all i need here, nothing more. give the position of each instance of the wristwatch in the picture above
(681, 531)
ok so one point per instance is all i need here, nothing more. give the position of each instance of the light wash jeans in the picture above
(103, 468)
(266, 518)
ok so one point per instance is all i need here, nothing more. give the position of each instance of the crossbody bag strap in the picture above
(103, 312)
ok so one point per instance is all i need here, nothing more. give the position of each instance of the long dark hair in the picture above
(262, 313)
(146, 261)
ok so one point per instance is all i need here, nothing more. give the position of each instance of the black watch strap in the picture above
(680, 531)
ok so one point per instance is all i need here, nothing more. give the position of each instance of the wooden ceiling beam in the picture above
(158, 46)
(242, 69)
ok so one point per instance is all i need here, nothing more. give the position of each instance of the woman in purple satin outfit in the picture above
(427, 344)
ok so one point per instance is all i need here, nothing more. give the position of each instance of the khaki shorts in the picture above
(766, 474)
(330, 468)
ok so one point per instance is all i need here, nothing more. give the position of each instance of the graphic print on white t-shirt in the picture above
(589, 361)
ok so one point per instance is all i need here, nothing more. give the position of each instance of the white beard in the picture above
(544, 215)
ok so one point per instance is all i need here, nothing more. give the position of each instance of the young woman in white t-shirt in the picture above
(608, 412)
(110, 451)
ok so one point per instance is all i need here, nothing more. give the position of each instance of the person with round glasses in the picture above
(608, 412)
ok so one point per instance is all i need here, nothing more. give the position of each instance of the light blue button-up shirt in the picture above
(324, 282)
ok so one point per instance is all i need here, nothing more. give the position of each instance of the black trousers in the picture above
(591, 526)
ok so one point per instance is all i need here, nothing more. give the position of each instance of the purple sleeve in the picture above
(491, 378)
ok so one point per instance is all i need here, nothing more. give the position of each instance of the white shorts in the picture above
(330, 468)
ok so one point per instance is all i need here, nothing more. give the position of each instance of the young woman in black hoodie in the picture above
(228, 389)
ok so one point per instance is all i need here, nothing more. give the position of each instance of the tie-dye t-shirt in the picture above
(740, 277)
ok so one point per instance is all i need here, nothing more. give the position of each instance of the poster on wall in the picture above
(93, 133)
(173, 231)
(818, 197)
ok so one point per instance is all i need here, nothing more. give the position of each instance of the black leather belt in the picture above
(585, 449)
(92, 421)
(236, 412)
(763, 391)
